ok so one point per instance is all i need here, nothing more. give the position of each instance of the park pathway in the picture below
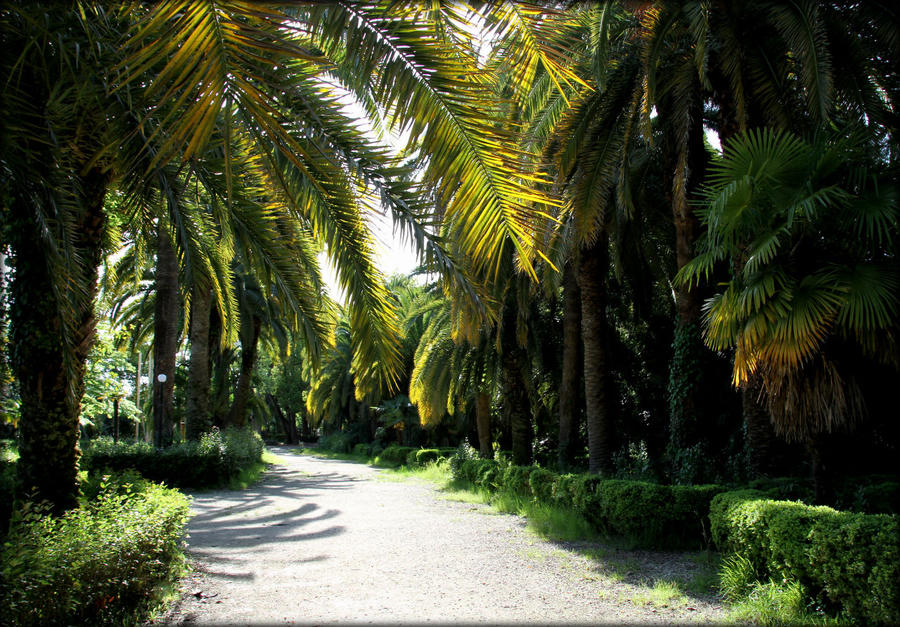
(320, 541)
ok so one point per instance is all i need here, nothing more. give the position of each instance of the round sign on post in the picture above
(161, 377)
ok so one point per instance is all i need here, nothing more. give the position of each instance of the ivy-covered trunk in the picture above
(237, 417)
(570, 384)
(592, 271)
(165, 339)
(51, 379)
(197, 413)
(483, 424)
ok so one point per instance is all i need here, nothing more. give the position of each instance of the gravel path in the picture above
(321, 541)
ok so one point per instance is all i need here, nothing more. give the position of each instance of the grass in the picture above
(664, 593)
(251, 474)
(774, 603)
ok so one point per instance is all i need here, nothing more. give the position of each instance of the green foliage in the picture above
(218, 457)
(845, 561)
(424, 456)
(338, 442)
(515, 479)
(393, 455)
(463, 454)
(8, 457)
(736, 577)
(647, 514)
(98, 564)
(542, 484)
(656, 516)
(773, 603)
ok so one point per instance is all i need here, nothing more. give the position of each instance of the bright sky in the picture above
(392, 256)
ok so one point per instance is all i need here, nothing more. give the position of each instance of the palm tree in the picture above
(450, 375)
(804, 298)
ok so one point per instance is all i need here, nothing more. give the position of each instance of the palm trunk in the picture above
(761, 443)
(569, 388)
(165, 339)
(514, 391)
(51, 383)
(197, 412)
(483, 423)
(237, 417)
(592, 271)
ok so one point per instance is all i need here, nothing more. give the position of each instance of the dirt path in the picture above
(321, 541)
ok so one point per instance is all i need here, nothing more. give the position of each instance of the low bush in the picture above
(98, 564)
(362, 449)
(515, 479)
(647, 514)
(656, 516)
(393, 455)
(542, 484)
(215, 459)
(847, 562)
(424, 456)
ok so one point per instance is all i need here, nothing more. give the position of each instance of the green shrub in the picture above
(846, 561)
(7, 492)
(217, 457)
(362, 449)
(486, 474)
(542, 483)
(461, 455)
(98, 564)
(655, 516)
(339, 442)
(516, 480)
(393, 455)
(426, 456)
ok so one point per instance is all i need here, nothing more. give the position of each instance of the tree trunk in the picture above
(287, 422)
(197, 413)
(761, 443)
(515, 393)
(165, 339)
(483, 423)
(51, 379)
(592, 271)
(237, 417)
(817, 446)
(570, 384)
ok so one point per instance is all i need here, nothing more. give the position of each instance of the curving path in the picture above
(321, 541)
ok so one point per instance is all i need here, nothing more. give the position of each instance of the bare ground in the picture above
(321, 541)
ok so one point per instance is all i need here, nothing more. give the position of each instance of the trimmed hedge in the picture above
(393, 455)
(98, 564)
(656, 516)
(216, 458)
(647, 514)
(424, 456)
(846, 561)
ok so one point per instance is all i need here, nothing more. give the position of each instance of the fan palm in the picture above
(805, 228)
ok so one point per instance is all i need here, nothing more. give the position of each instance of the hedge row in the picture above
(647, 514)
(846, 561)
(396, 455)
(98, 564)
(216, 458)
